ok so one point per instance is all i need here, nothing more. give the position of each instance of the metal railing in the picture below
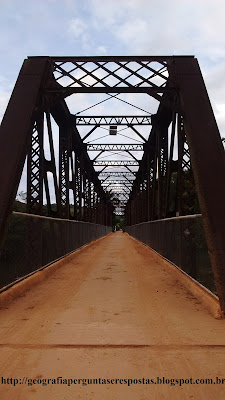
(180, 240)
(36, 241)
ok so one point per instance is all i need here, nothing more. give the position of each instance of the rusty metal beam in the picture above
(14, 134)
(207, 158)
(163, 58)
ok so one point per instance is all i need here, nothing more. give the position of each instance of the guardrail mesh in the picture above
(35, 241)
(180, 240)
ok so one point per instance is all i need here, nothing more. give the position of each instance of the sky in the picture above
(114, 27)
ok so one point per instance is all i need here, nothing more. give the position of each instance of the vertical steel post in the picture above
(35, 167)
(64, 170)
(180, 177)
(148, 191)
(169, 166)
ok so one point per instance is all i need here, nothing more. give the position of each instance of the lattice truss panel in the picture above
(35, 168)
(148, 74)
(161, 184)
(113, 120)
(58, 173)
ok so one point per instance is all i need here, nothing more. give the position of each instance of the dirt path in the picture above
(114, 311)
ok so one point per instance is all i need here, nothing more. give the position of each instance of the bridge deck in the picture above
(113, 311)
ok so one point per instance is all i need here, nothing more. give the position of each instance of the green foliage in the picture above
(172, 196)
(118, 221)
(190, 197)
(19, 206)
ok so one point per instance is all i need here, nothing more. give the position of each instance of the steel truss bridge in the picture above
(152, 181)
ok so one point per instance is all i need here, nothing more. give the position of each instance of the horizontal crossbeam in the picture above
(67, 91)
(119, 147)
(122, 182)
(116, 163)
(159, 58)
(119, 187)
(113, 120)
(116, 173)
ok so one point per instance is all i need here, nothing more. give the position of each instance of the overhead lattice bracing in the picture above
(120, 147)
(112, 120)
(182, 151)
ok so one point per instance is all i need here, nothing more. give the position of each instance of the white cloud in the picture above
(149, 27)
(215, 83)
(101, 50)
(131, 33)
(77, 28)
(219, 110)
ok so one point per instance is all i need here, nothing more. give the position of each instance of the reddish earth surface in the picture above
(113, 311)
